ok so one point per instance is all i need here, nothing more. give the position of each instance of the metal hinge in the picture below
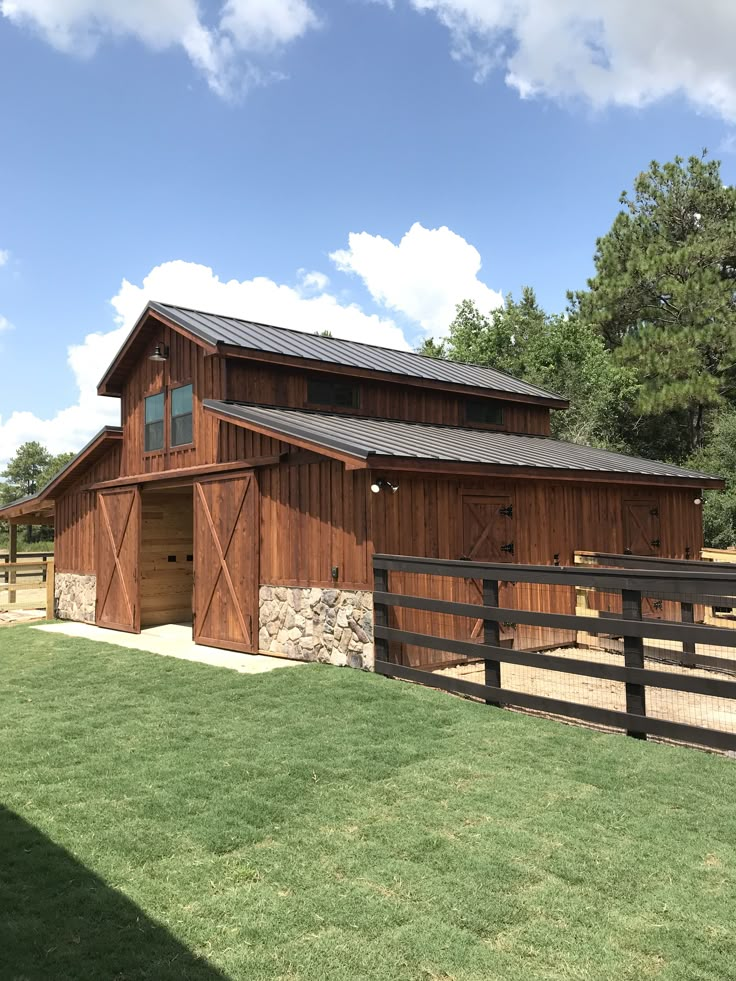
(507, 511)
(508, 548)
(655, 543)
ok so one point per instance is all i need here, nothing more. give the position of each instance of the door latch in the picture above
(508, 512)
(508, 548)
(655, 543)
(654, 512)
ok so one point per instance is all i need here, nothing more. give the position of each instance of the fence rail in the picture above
(678, 643)
(34, 557)
(43, 569)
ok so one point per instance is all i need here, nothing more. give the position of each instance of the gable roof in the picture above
(389, 443)
(231, 334)
(41, 503)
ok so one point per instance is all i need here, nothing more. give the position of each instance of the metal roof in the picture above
(365, 437)
(213, 329)
(98, 442)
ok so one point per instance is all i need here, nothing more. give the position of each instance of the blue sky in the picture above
(338, 164)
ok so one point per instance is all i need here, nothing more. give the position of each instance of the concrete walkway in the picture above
(172, 640)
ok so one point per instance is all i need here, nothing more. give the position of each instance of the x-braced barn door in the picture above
(117, 547)
(226, 537)
(641, 537)
(488, 536)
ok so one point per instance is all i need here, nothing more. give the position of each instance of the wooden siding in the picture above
(550, 521)
(74, 544)
(270, 385)
(167, 557)
(187, 363)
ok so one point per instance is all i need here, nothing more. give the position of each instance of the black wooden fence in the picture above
(683, 646)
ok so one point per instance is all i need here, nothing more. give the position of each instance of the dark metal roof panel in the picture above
(213, 329)
(365, 437)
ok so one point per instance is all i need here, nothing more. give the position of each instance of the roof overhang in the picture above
(39, 507)
(145, 332)
(357, 457)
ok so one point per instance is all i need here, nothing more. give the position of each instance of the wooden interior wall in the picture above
(186, 363)
(549, 518)
(166, 533)
(252, 381)
(74, 535)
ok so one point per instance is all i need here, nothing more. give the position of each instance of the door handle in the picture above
(508, 548)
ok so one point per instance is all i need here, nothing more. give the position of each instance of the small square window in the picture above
(484, 412)
(181, 415)
(336, 394)
(154, 423)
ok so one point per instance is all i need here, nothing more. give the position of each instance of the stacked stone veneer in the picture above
(315, 624)
(74, 596)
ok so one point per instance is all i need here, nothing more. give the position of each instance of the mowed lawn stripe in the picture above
(166, 819)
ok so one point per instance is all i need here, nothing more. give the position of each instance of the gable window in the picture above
(335, 394)
(484, 412)
(154, 436)
(181, 415)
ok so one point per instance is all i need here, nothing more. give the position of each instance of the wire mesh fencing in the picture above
(650, 652)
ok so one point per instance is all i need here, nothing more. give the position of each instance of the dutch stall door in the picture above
(488, 536)
(226, 563)
(117, 548)
(641, 537)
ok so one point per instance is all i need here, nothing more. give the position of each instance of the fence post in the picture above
(48, 568)
(688, 647)
(13, 557)
(634, 658)
(6, 559)
(492, 636)
(380, 615)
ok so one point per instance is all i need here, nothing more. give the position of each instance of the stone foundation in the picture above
(74, 597)
(333, 626)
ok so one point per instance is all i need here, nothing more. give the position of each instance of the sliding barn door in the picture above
(117, 547)
(226, 537)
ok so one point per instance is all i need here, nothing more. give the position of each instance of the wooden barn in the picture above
(258, 469)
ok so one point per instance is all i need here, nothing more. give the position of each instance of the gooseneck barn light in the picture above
(160, 353)
(379, 485)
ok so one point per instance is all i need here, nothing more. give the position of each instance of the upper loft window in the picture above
(181, 415)
(154, 435)
(332, 394)
(484, 412)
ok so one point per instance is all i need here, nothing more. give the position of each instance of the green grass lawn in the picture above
(167, 820)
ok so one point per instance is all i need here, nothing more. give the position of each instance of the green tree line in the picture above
(30, 469)
(646, 353)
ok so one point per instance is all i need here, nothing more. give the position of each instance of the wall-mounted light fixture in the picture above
(379, 485)
(698, 500)
(160, 353)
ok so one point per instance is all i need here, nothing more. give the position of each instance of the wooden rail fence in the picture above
(43, 569)
(681, 587)
(29, 568)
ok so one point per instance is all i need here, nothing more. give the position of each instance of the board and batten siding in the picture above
(252, 381)
(187, 363)
(74, 536)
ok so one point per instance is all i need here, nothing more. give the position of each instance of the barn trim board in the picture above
(305, 456)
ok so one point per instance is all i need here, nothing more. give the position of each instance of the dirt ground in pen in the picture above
(661, 703)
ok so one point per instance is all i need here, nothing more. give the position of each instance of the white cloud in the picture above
(5, 324)
(187, 284)
(4, 257)
(609, 52)
(424, 277)
(216, 50)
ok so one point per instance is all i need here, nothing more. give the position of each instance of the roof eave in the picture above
(426, 465)
(111, 381)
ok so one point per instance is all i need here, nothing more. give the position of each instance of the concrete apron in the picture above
(172, 640)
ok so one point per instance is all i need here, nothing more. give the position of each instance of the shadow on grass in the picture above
(59, 920)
